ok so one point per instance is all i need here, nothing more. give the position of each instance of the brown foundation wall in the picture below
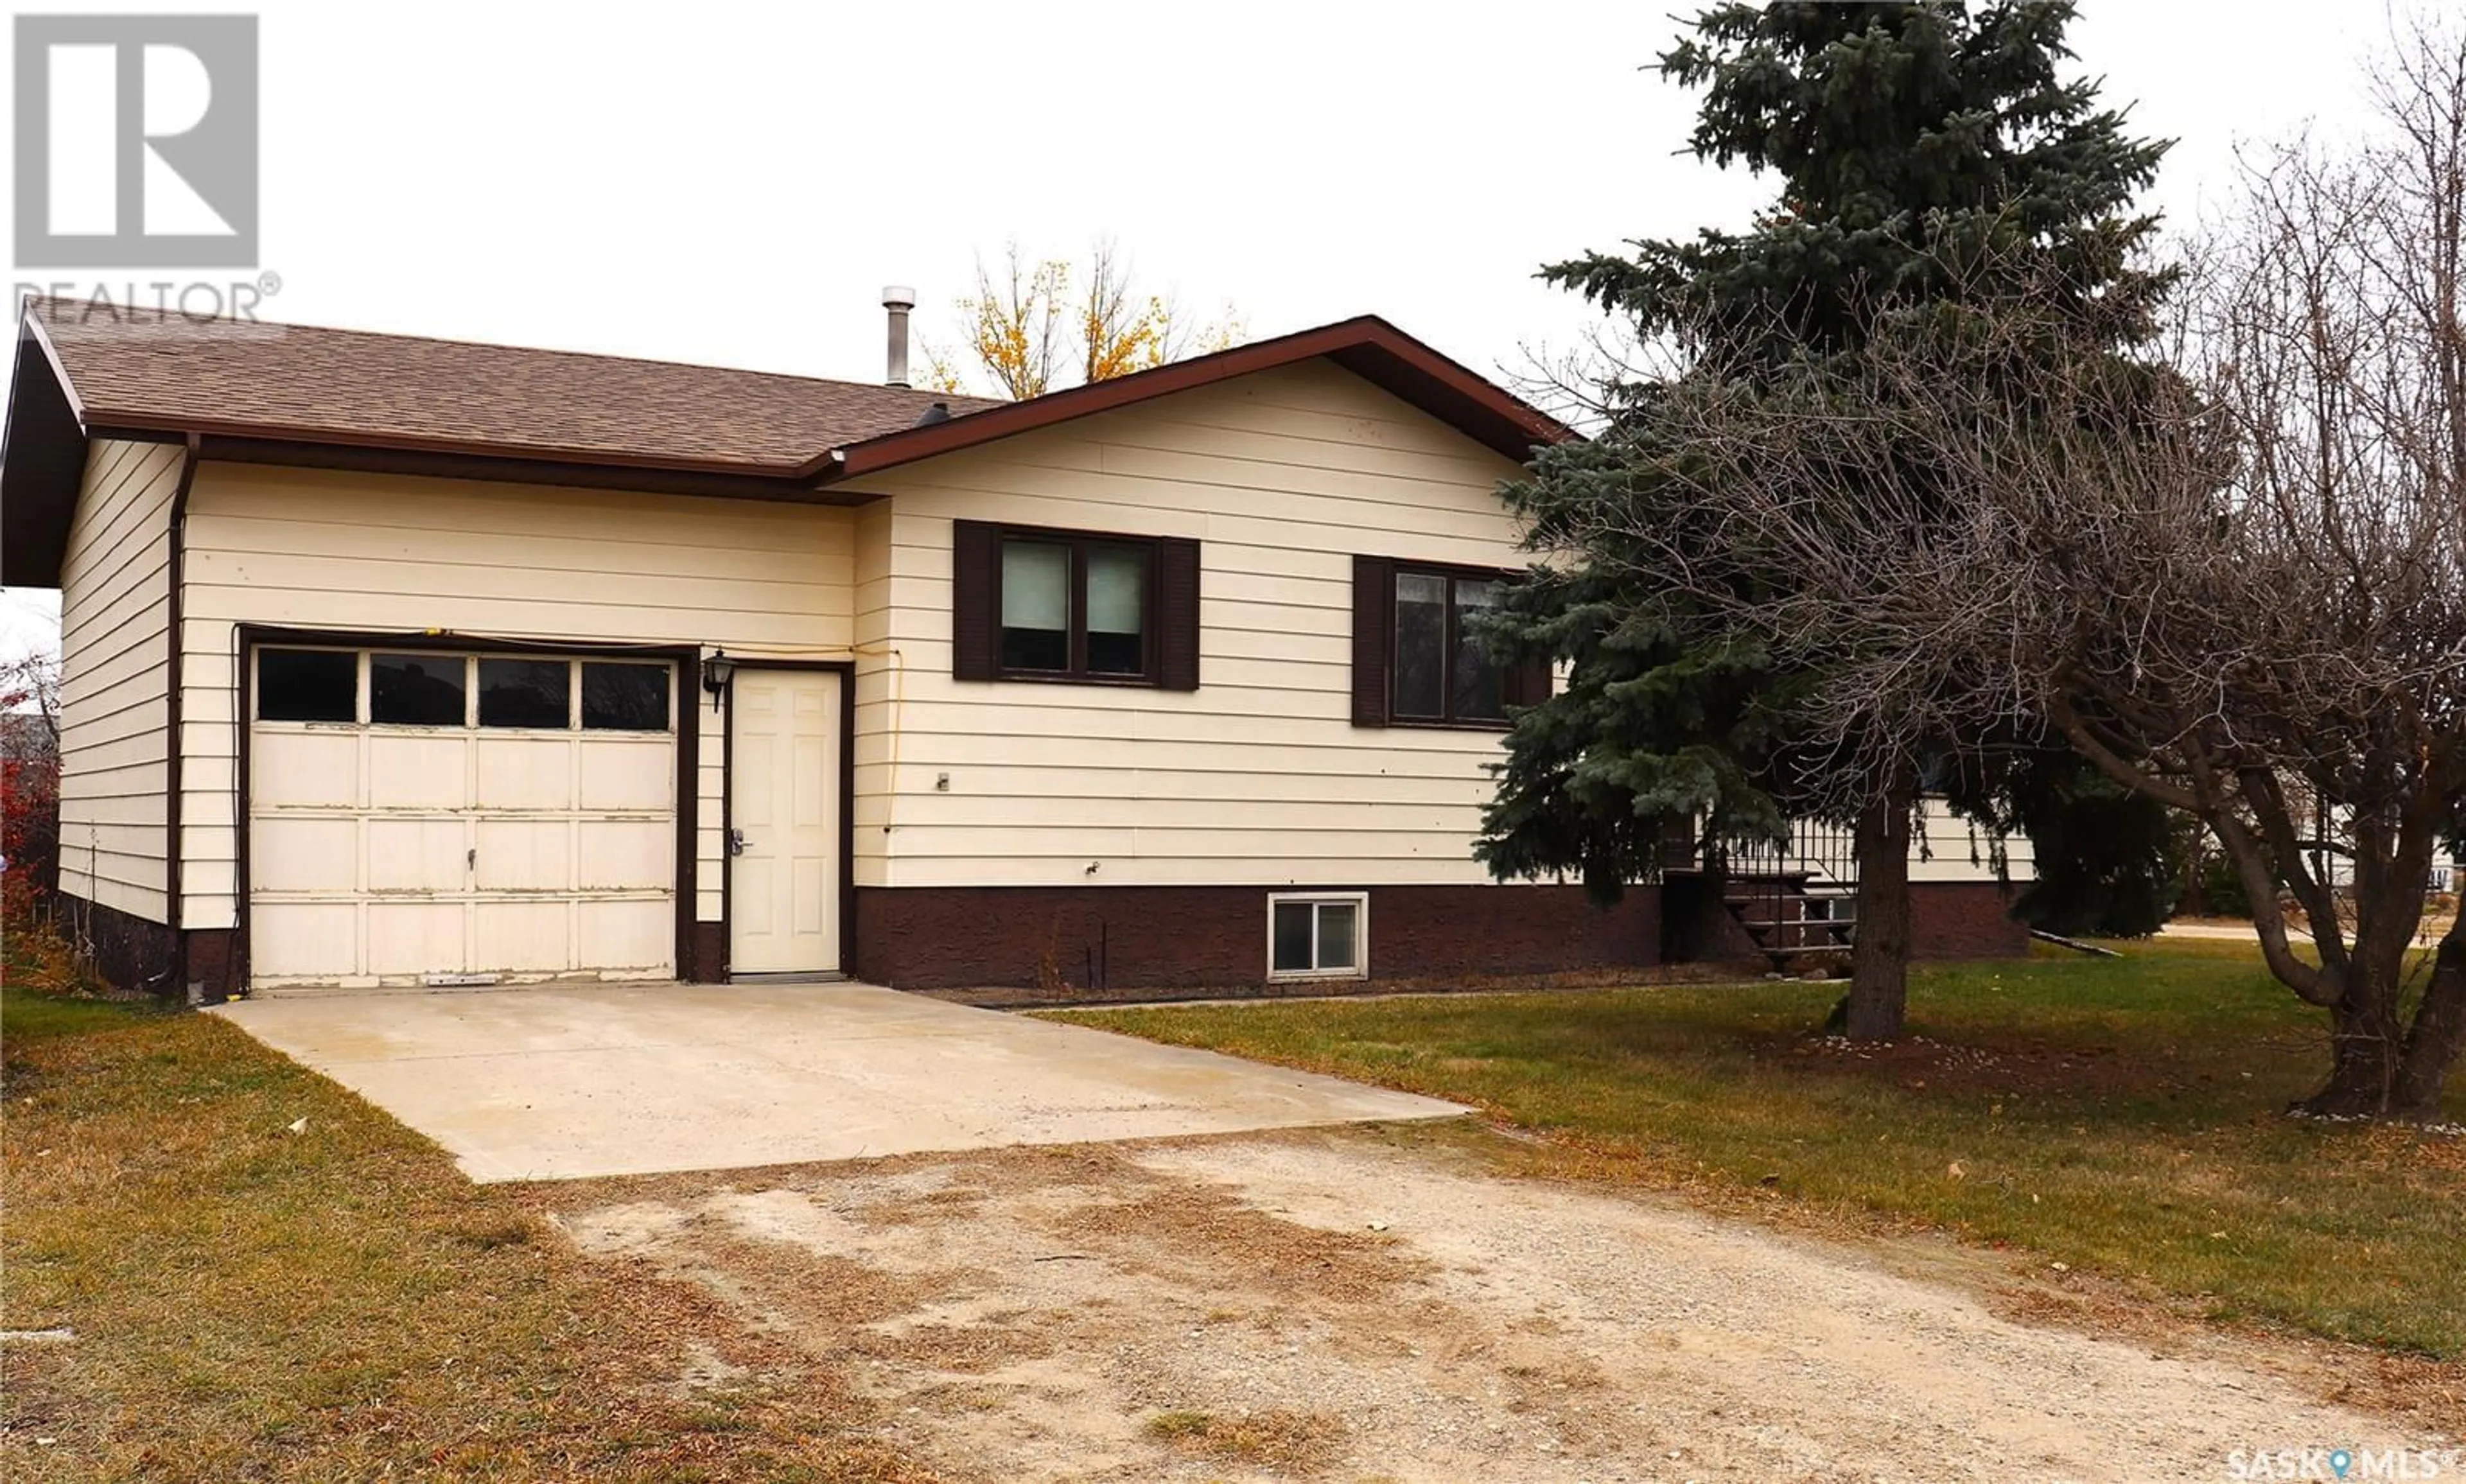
(1164, 937)
(1215, 937)
(706, 955)
(1205, 937)
(130, 952)
(213, 968)
(1964, 919)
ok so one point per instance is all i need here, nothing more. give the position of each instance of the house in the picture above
(399, 662)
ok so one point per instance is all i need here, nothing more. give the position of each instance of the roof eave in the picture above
(1368, 346)
(155, 424)
(42, 463)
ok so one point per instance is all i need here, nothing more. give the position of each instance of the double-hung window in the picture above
(1420, 657)
(1077, 607)
(1443, 671)
(1084, 607)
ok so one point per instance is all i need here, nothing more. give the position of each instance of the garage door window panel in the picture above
(527, 693)
(307, 684)
(625, 697)
(417, 690)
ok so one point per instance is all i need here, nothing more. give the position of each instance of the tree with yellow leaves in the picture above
(1026, 327)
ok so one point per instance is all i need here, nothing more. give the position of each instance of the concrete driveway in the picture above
(570, 1083)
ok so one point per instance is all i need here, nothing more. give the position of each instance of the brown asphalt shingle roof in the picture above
(291, 394)
(135, 368)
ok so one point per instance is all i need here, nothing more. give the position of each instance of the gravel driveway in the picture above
(1324, 1305)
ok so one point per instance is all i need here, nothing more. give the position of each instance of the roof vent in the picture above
(939, 412)
(898, 300)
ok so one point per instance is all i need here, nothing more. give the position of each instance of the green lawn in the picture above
(2120, 1116)
(337, 1302)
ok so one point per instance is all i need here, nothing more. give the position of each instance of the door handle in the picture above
(736, 841)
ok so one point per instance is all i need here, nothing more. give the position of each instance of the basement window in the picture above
(1320, 936)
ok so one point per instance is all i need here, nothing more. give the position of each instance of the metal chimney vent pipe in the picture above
(898, 301)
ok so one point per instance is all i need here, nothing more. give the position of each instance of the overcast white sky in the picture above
(733, 184)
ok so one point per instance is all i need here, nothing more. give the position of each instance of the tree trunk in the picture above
(1879, 963)
(2438, 1035)
(2364, 1043)
(2380, 1066)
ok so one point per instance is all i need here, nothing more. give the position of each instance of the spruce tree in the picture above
(1907, 144)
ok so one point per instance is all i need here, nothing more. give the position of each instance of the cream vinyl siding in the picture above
(115, 618)
(1945, 847)
(323, 550)
(1257, 778)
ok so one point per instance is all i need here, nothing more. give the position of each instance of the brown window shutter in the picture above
(1374, 605)
(1530, 682)
(975, 601)
(1527, 683)
(1177, 614)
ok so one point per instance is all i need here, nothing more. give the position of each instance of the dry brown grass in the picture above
(840, 1308)
(1026, 1167)
(2413, 1388)
(817, 1291)
(2122, 1118)
(1182, 1224)
(2012, 1282)
(1287, 1441)
(340, 1303)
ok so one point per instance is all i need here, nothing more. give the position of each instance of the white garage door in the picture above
(437, 818)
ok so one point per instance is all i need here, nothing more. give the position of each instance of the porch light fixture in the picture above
(715, 671)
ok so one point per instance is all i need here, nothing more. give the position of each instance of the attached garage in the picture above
(424, 817)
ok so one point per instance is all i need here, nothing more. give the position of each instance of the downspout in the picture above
(173, 743)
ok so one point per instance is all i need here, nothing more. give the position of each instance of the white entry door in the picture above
(784, 826)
